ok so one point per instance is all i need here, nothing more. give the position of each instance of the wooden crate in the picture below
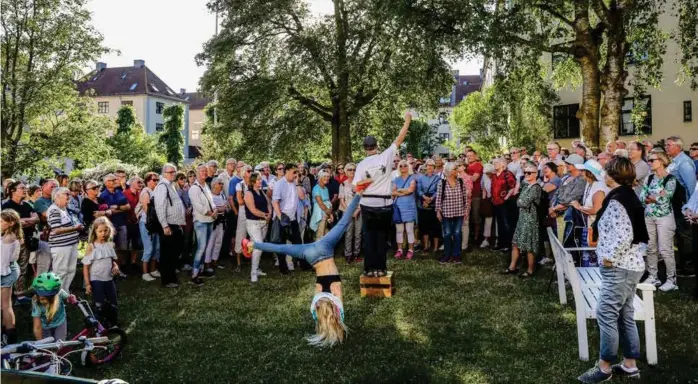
(377, 286)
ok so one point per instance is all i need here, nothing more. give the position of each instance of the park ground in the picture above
(445, 324)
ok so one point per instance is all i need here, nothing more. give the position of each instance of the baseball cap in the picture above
(370, 141)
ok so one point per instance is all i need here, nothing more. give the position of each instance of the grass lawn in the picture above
(445, 324)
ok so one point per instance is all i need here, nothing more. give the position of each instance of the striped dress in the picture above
(60, 218)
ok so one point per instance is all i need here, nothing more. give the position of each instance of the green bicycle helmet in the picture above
(47, 284)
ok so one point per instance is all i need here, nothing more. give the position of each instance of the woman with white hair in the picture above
(63, 238)
(404, 208)
(451, 197)
(322, 206)
(429, 226)
(215, 242)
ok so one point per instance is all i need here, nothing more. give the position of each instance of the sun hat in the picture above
(594, 167)
(575, 160)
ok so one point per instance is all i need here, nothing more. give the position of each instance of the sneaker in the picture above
(595, 375)
(410, 255)
(261, 273)
(441, 248)
(187, 267)
(652, 280)
(155, 273)
(290, 266)
(122, 275)
(197, 281)
(668, 286)
(207, 274)
(620, 370)
(254, 279)
(546, 261)
(172, 285)
(147, 277)
(220, 266)
(398, 254)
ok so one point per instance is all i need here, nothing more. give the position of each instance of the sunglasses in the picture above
(281, 169)
(694, 149)
(652, 160)
(248, 171)
(403, 166)
(350, 169)
(529, 173)
(96, 187)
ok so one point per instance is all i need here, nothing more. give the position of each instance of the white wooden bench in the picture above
(586, 286)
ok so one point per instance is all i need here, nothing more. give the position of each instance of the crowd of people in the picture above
(159, 224)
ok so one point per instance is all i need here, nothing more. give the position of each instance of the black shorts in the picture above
(428, 224)
(232, 224)
(133, 233)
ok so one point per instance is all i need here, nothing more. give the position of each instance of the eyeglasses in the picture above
(169, 172)
(552, 149)
(514, 152)
(109, 181)
(694, 149)
(350, 169)
(96, 187)
(280, 169)
(403, 166)
(529, 173)
(652, 160)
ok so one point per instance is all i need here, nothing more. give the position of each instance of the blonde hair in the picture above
(51, 307)
(329, 327)
(96, 224)
(662, 156)
(11, 216)
(409, 167)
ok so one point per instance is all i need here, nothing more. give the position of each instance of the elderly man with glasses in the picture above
(117, 203)
(171, 217)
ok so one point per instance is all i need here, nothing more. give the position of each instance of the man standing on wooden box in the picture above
(373, 175)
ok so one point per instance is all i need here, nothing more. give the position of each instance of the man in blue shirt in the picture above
(683, 168)
(117, 206)
(693, 153)
(285, 199)
(232, 215)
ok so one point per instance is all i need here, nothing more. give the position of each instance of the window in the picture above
(154, 87)
(159, 107)
(159, 127)
(687, 113)
(636, 55)
(443, 118)
(133, 86)
(127, 102)
(565, 121)
(444, 136)
(103, 107)
(628, 127)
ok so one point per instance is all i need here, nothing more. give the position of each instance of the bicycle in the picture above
(44, 355)
(94, 328)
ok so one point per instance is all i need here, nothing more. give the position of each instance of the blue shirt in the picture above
(684, 169)
(324, 193)
(116, 198)
(287, 196)
(427, 185)
(231, 186)
(39, 311)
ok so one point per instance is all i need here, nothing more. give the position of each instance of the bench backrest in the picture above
(565, 269)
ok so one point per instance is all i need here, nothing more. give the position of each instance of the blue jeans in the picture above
(203, 234)
(322, 249)
(151, 244)
(504, 228)
(614, 313)
(452, 237)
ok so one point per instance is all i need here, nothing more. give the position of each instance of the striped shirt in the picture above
(168, 213)
(60, 218)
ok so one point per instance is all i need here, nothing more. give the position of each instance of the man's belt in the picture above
(386, 197)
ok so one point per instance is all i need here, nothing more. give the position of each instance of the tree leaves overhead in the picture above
(132, 145)
(283, 76)
(171, 138)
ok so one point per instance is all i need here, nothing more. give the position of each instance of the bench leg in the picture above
(650, 330)
(582, 338)
(561, 284)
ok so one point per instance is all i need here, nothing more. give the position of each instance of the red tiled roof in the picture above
(126, 81)
(197, 100)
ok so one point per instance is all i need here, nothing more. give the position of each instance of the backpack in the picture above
(152, 224)
(443, 189)
(678, 199)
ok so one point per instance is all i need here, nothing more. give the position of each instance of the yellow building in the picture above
(197, 117)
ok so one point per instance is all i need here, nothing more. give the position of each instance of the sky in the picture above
(168, 34)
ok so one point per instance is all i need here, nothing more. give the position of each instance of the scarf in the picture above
(626, 196)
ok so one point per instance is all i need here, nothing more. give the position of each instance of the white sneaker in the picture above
(254, 279)
(545, 261)
(147, 277)
(260, 273)
(290, 266)
(276, 262)
(441, 248)
(155, 274)
(485, 244)
(668, 286)
(652, 280)
(187, 267)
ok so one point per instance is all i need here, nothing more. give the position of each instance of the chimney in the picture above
(182, 91)
(101, 66)
(139, 63)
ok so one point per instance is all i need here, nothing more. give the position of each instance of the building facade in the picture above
(197, 117)
(139, 87)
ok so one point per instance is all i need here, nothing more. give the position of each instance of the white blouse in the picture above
(10, 254)
(616, 239)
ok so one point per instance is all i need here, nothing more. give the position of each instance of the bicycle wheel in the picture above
(117, 342)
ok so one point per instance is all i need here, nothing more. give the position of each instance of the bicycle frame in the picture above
(92, 327)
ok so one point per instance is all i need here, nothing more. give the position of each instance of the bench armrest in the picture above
(581, 249)
(646, 287)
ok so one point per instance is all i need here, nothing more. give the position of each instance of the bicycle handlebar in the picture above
(48, 344)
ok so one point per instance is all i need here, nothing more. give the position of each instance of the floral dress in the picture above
(527, 231)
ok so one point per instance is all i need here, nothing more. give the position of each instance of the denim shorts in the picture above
(9, 280)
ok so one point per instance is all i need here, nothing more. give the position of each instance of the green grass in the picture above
(445, 324)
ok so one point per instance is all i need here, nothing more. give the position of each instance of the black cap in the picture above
(370, 142)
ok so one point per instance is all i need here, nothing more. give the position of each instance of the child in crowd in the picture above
(48, 309)
(99, 265)
(12, 236)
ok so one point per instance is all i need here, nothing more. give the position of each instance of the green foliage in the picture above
(422, 139)
(44, 43)
(171, 138)
(132, 145)
(125, 119)
(110, 166)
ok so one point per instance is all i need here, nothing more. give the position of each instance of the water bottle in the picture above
(585, 259)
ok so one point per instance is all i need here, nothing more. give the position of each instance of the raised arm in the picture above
(403, 131)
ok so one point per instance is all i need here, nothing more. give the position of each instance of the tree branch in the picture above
(562, 47)
(323, 111)
(313, 52)
(600, 10)
(547, 8)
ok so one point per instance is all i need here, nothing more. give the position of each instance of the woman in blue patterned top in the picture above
(429, 226)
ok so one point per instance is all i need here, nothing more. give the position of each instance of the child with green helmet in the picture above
(48, 307)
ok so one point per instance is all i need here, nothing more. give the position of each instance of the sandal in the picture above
(526, 275)
(398, 254)
(509, 271)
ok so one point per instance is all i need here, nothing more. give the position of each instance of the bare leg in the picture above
(531, 263)
(514, 257)
(436, 244)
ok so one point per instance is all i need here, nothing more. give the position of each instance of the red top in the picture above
(472, 169)
(132, 201)
(341, 179)
(501, 185)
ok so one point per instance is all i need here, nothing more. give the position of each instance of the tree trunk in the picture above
(613, 77)
(9, 159)
(341, 135)
(588, 113)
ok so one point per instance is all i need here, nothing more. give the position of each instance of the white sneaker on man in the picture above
(155, 274)
(652, 280)
(147, 277)
(187, 267)
(261, 273)
(546, 261)
(668, 286)
(485, 244)
(254, 279)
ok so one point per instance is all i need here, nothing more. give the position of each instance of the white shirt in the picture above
(588, 197)
(287, 196)
(226, 180)
(201, 202)
(379, 168)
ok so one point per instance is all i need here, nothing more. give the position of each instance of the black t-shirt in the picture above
(88, 210)
(25, 211)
